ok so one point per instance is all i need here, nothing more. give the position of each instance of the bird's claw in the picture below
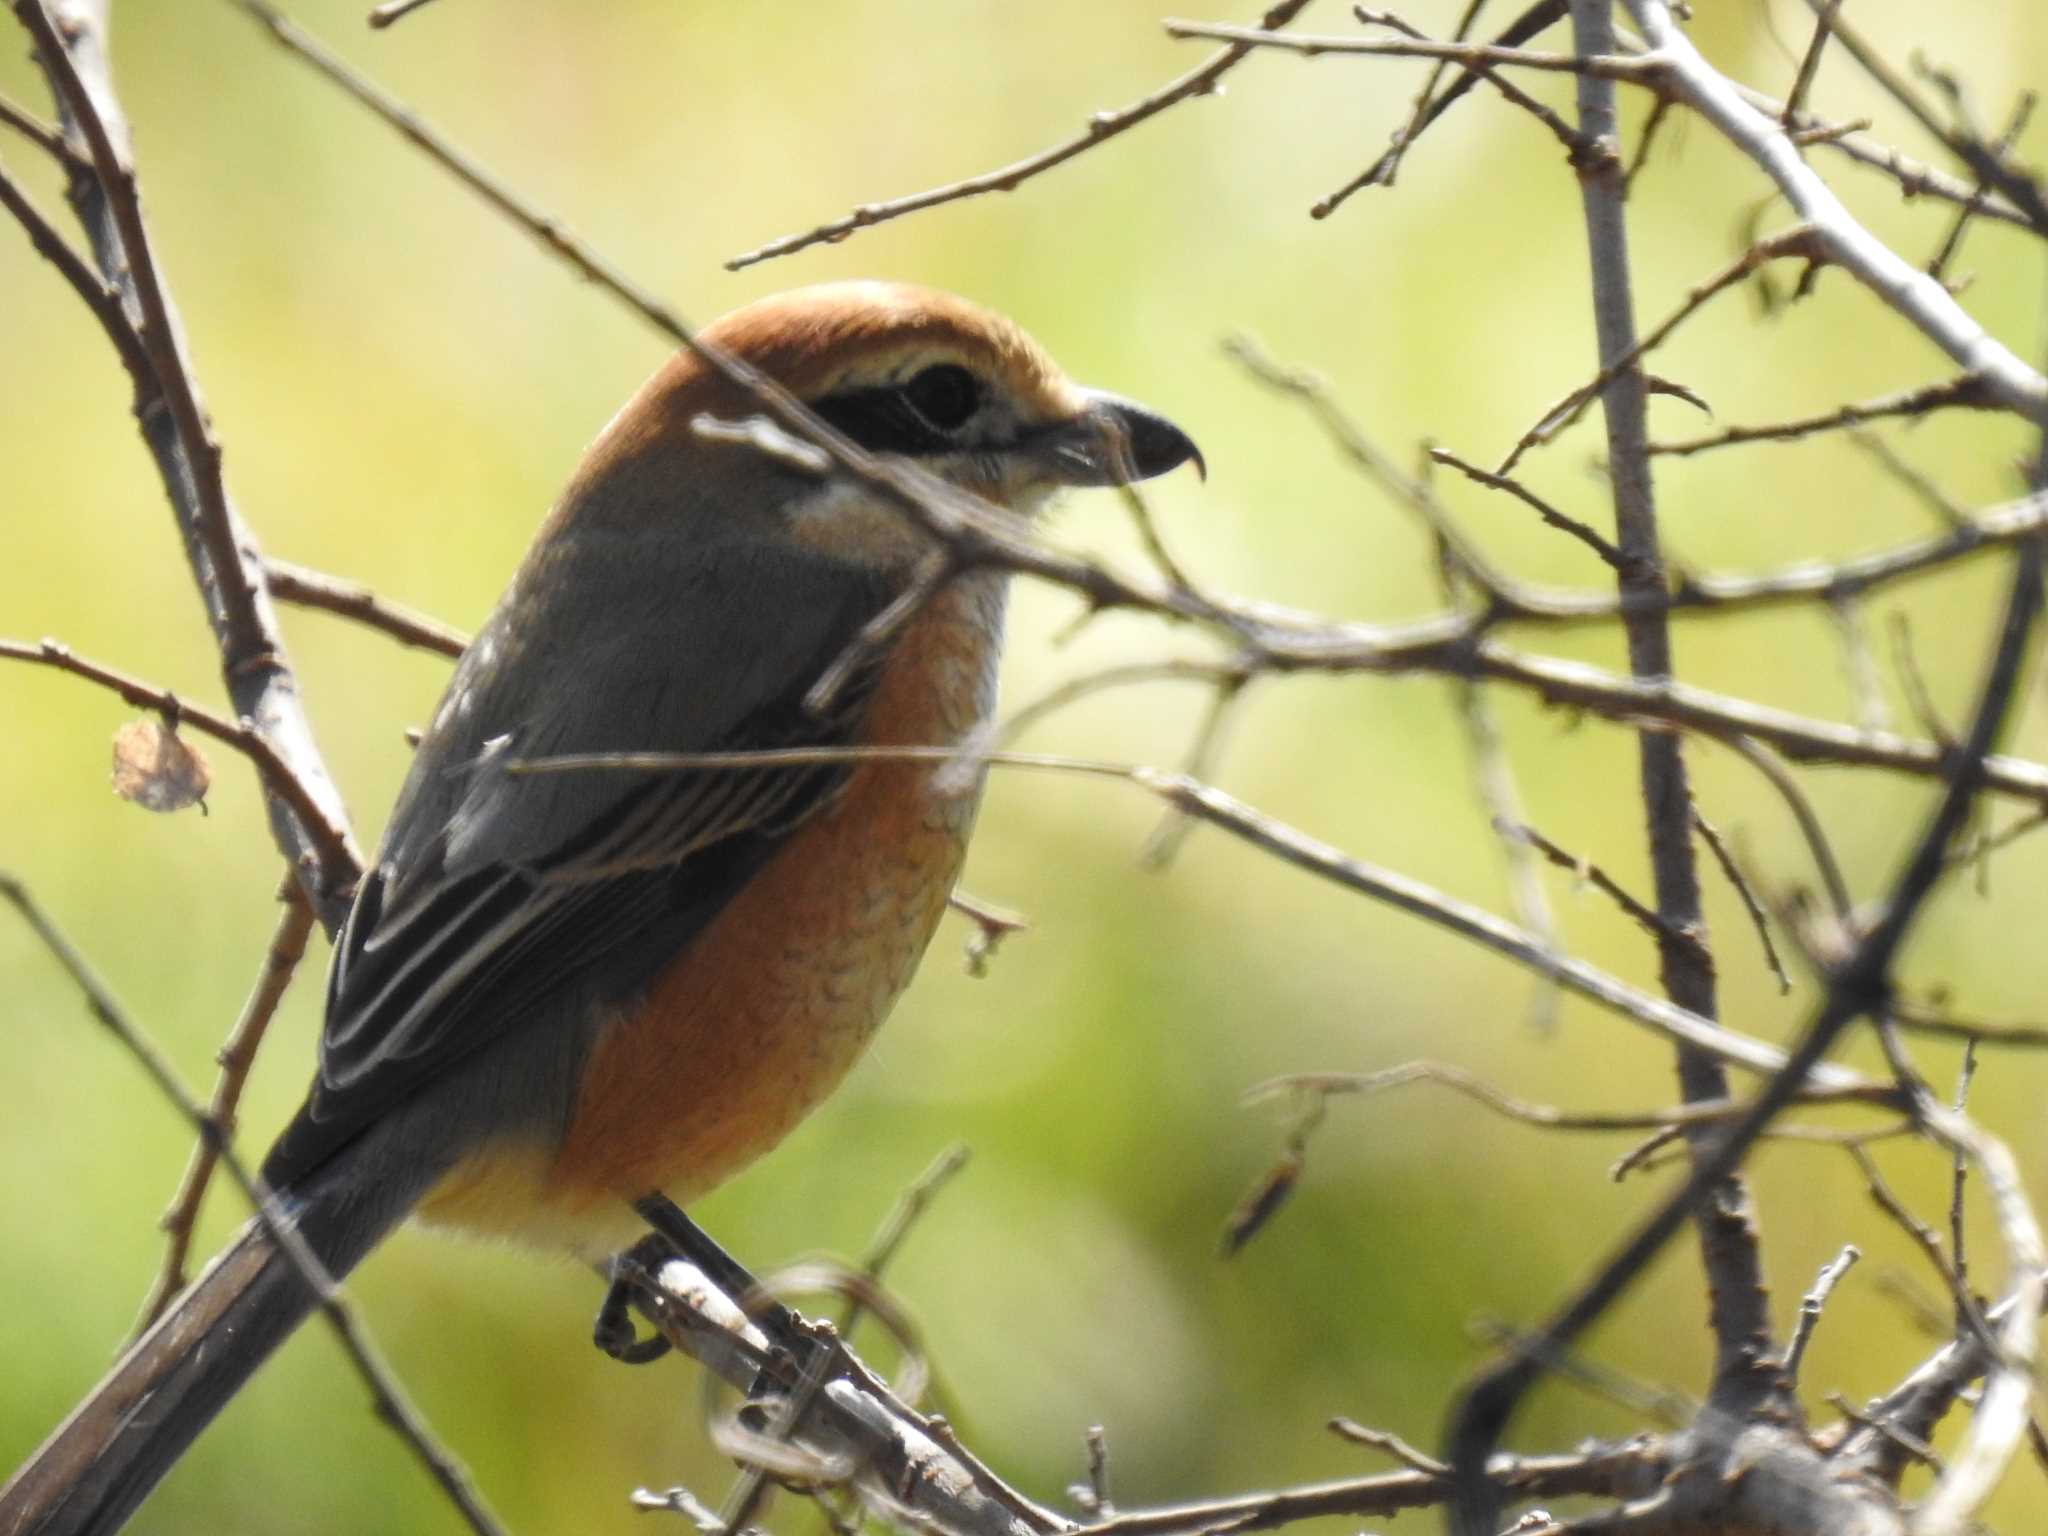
(613, 1331)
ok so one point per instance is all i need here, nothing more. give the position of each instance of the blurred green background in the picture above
(401, 382)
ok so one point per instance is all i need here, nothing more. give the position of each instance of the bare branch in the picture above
(1922, 301)
(1794, 244)
(1968, 393)
(1585, 870)
(1810, 1308)
(223, 554)
(1477, 57)
(1758, 918)
(1200, 81)
(331, 842)
(391, 1403)
(237, 1055)
(352, 600)
(1284, 842)
(1859, 986)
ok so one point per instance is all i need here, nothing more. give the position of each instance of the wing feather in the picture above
(502, 901)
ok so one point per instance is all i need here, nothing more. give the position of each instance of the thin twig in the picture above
(1428, 108)
(352, 600)
(1909, 1443)
(1543, 1116)
(1592, 874)
(1384, 171)
(392, 1405)
(1919, 483)
(1859, 666)
(236, 1056)
(1797, 243)
(102, 300)
(1779, 777)
(1660, 114)
(220, 549)
(1103, 126)
(1918, 298)
(1811, 1306)
(1591, 537)
(992, 925)
(1970, 1032)
(331, 841)
(1969, 1316)
(1614, 1473)
(1204, 753)
(1493, 781)
(904, 1215)
(1283, 842)
(1971, 392)
(1476, 57)
(1659, 1404)
(1809, 65)
(37, 132)
(1391, 1443)
(1959, 1253)
(1759, 919)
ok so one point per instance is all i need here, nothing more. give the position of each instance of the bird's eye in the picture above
(944, 395)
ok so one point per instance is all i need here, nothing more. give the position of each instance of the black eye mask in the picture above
(919, 416)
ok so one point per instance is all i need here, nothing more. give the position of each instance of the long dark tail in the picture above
(103, 1460)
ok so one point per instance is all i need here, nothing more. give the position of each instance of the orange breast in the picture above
(766, 1011)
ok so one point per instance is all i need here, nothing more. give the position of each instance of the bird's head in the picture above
(960, 391)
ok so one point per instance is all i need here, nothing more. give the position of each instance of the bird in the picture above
(556, 994)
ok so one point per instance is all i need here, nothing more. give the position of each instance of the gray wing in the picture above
(496, 893)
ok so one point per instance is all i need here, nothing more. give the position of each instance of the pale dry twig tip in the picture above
(394, 10)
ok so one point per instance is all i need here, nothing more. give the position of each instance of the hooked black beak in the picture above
(1114, 441)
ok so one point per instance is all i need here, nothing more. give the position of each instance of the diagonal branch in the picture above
(1921, 300)
(1199, 81)
(224, 559)
(392, 1404)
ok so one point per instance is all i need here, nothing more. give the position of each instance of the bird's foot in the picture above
(614, 1331)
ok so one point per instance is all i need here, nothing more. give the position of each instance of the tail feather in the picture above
(103, 1460)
